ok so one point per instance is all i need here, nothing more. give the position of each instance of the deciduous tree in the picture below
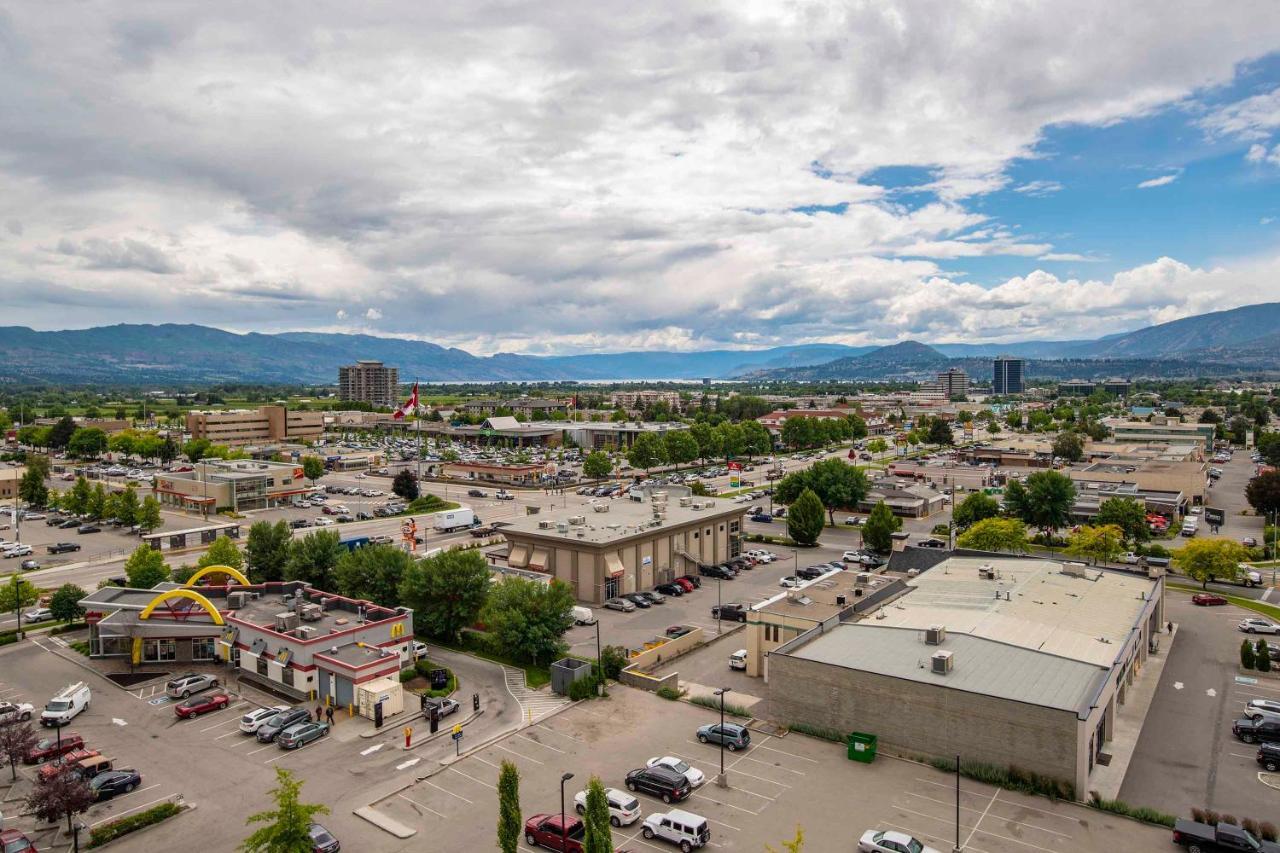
(681, 447)
(31, 487)
(17, 594)
(1263, 492)
(1069, 445)
(837, 484)
(647, 451)
(313, 468)
(145, 568)
(405, 485)
(1127, 514)
(1102, 543)
(314, 557)
(16, 740)
(1206, 559)
(528, 620)
(372, 573)
(446, 592)
(65, 794)
(65, 603)
(975, 508)
(287, 827)
(223, 552)
(597, 465)
(995, 534)
(149, 514)
(267, 550)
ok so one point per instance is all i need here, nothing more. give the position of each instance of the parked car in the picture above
(762, 517)
(1269, 756)
(47, 749)
(1254, 625)
(1250, 730)
(546, 830)
(271, 728)
(683, 829)
(671, 588)
(732, 735)
(17, 550)
(250, 722)
(63, 547)
(29, 565)
(1207, 599)
(189, 709)
(476, 493)
(791, 582)
(15, 712)
(322, 840)
(85, 763)
(13, 841)
(1257, 708)
(716, 572)
(733, 612)
(693, 581)
(890, 841)
(623, 604)
(693, 774)
(652, 596)
(661, 782)
(1203, 837)
(68, 524)
(931, 543)
(38, 614)
(638, 600)
(301, 734)
(88, 528)
(107, 785)
(444, 706)
(624, 809)
(191, 682)
(677, 631)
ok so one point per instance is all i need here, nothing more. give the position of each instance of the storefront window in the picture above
(286, 675)
(159, 650)
(262, 665)
(202, 648)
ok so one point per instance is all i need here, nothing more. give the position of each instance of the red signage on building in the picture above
(92, 617)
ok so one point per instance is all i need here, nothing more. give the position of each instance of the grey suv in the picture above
(188, 683)
(732, 735)
(273, 726)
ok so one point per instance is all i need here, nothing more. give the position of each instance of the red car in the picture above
(13, 841)
(1207, 599)
(685, 584)
(77, 755)
(191, 708)
(47, 749)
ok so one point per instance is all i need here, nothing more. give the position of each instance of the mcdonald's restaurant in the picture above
(288, 637)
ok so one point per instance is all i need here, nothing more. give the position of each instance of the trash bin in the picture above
(862, 747)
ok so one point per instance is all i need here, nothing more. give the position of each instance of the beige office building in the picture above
(620, 545)
(265, 425)
(9, 480)
(237, 485)
(369, 382)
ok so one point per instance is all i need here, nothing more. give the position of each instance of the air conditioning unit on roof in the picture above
(942, 662)
(936, 635)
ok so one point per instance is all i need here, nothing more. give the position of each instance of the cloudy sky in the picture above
(551, 177)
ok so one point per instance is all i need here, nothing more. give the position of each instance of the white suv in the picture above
(684, 829)
(624, 808)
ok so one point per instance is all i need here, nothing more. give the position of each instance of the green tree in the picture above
(149, 514)
(61, 432)
(975, 508)
(197, 449)
(857, 427)
(446, 592)
(372, 573)
(510, 824)
(940, 433)
(287, 827)
(405, 485)
(31, 487)
(527, 619)
(1262, 656)
(879, 528)
(1049, 499)
(1102, 543)
(1014, 419)
(1069, 446)
(17, 594)
(596, 465)
(597, 838)
(223, 552)
(804, 518)
(168, 450)
(756, 439)
(732, 440)
(312, 468)
(877, 446)
(65, 603)
(648, 451)
(97, 507)
(127, 506)
(837, 484)
(681, 448)
(267, 550)
(995, 534)
(314, 557)
(87, 443)
(797, 432)
(1263, 492)
(145, 568)
(708, 440)
(1127, 514)
(1247, 657)
(1207, 559)
(76, 501)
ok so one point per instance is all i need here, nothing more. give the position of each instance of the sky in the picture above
(567, 178)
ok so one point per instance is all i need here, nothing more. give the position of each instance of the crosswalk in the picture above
(534, 704)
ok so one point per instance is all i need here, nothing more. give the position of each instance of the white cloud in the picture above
(1258, 154)
(1266, 220)
(1161, 181)
(1251, 118)
(1067, 256)
(538, 178)
(373, 314)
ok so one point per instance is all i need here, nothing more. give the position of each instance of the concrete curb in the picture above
(414, 744)
(186, 807)
(386, 824)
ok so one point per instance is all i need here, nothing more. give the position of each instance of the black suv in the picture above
(1249, 731)
(659, 781)
(716, 572)
(1269, 756)
(732, 612)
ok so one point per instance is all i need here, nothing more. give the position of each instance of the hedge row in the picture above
(109, 832)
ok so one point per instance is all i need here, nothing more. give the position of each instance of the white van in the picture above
(738, 660)
(684, 829)
(583, 616)
(69, 702)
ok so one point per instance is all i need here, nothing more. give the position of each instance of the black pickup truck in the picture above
(1203, 838)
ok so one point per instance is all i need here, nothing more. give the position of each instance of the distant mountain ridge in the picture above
(1243, 338)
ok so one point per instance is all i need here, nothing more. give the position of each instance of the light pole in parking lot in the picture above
(564, 833)
(719, 606)
(957, 848)
(722, 780)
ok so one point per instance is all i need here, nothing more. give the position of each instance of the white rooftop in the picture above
(1039, 606)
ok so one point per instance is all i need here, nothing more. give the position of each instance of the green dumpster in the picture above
(862, 747)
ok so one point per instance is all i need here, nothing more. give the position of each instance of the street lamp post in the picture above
(719, 607)
(599, 661)
(564, 834)
(722, 780)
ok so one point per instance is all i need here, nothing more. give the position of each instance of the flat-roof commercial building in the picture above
(1002, 660)
(639, 400)
(1083, 388)
(369, 381)
(496, 473)
(1007, 376)
(236, 484)
(595, 436)
(1162, 475)
(950, 383)
(1092, 494)
(287, 636)
(264, 425)
(908, 501)
(1160, 429)
(622, 545)
(529, 407)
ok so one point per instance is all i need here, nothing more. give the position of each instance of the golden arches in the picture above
(190, 596)
(213, 570)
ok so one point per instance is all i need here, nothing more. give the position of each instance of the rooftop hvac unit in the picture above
(1075, 570)
(987, 572)
(312, 613)
(286, 621)
(305, 632)
(546, 524)
(237, 600)
(863, 578)
(577, 519)
(695, 505)
(942, 662)
(600, 507)
(562, 527)
(582, 534)
(935, 635)
(841, 601)
(686, 501)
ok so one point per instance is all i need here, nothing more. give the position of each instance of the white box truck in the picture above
(454, 519)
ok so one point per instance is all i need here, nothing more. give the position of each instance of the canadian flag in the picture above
(410, 406)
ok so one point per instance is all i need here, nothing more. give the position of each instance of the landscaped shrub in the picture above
(713, 702)
(1210, 817)
(614, 660)
(1229, 819)
(817, 731)
(1267, 830)
(1136, 812)
(100, 835)
(1246, 654)
(583, 688)
(1262, 656)
(668, 693)
(1250, 826)
(1013, 778)
(407, 675)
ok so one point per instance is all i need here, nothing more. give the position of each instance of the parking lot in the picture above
(1187, 756)
(777, 784)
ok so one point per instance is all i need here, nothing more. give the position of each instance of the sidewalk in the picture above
(1107, 780)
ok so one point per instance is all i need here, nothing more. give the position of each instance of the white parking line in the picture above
(562, 734)
(951, 787)
(540, 743)
(232, 719)
(486, 761)
(775, 766)
(719, 803)
(981, 817)
(126, 811)
(918, 834)
(422, 806)
(474, 779)
(513, 752)
(259, 749)
(996, 816)
(447, 791)
(784, 752)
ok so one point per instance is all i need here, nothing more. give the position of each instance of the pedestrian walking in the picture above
(1170, 626)
(317, 713)
(328, 713)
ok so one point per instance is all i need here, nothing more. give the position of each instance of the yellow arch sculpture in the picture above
(190, 596)
(215, 570)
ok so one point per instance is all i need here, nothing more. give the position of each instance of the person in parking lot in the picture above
(328, 714)
(317, 713)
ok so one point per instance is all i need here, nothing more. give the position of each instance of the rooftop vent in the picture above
(562, 527)
(987, 572)
(577, 520)
(546, 524)
(935, 635)
(286, 621)
(942, 662)
(686, 501)
(1075, 570)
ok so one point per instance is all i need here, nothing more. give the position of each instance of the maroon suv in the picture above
(47, 749)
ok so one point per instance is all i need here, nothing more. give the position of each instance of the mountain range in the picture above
(1238, 340)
